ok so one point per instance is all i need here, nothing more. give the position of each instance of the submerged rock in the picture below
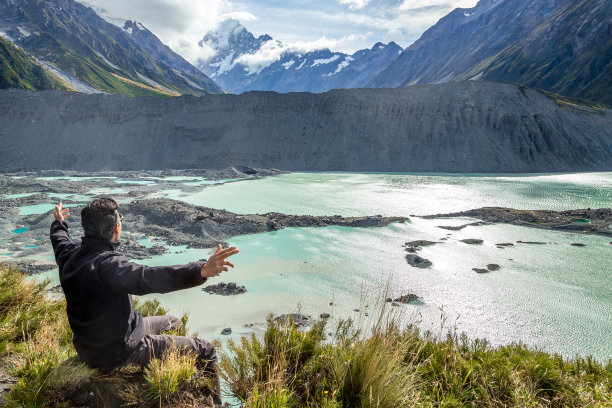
(324, 315)
(417, 261)
(531, 242)
(225, 289)
(472, 241)
(407, 298)
(493, 267)
(460, 227)
(298, 319)
(226, 331)
(420, 243)
(480, 270)
(577, 244)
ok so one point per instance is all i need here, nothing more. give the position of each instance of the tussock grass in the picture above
(389, 366)
(37, 348)
(24, 307)
(385, 365)
(164, 376)
(302, 369)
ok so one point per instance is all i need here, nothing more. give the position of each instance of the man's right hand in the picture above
(61, 213)
(218, 262)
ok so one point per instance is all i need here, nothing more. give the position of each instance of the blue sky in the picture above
(341, 25)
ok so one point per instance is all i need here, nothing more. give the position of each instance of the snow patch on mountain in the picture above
(288, 64)
(325, 61)
(110, 64)
(224, 65)
(102, 12)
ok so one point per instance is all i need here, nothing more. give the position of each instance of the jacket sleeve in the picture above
(60, 239)
(135, 279)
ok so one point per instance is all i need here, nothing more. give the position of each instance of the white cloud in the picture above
(180, 24)
(271, 51)
(355, 4)
(299, 24)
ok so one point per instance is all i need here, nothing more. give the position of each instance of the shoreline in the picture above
(583, 221)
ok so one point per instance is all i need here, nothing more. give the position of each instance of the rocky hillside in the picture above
(238, 64)
(456, 127)
(563, 46)
(18, 70)
(73, 40)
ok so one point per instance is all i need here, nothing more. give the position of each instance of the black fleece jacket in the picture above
(98, 282)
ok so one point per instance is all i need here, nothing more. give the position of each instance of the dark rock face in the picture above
(225, 289)
(457, 127)
(417, 261)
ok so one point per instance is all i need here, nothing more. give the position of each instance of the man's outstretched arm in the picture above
(60, 239)
(137, 279)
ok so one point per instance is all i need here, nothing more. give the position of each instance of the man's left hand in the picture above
(61, 213)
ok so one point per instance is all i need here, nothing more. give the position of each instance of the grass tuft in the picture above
(164, 376)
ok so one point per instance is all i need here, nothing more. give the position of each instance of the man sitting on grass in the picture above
(98, 282)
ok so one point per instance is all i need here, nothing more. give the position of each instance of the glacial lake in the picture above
(555, 296)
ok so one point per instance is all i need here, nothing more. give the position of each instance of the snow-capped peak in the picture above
(227, 31)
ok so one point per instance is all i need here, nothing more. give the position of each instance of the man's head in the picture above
(101, 219)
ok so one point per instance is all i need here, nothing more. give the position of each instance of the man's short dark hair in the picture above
(99, 218)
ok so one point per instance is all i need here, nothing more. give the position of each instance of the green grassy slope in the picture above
(75, 39)
(17, 70)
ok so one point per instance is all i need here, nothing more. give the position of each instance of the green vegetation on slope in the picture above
(17, 70)
(74, 38)
(386, 367)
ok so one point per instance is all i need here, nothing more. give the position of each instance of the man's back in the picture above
(97, 282)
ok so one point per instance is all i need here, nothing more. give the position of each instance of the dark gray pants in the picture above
(153, 345)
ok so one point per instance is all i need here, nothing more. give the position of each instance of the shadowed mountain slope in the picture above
(563, 46)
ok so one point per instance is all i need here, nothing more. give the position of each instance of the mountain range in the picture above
(92, 55)
(560, 46)
(292, 70)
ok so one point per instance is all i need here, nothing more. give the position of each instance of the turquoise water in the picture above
(42, 208)
(555, 296)
(397, 194)
(20, 195)
(20, 230)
